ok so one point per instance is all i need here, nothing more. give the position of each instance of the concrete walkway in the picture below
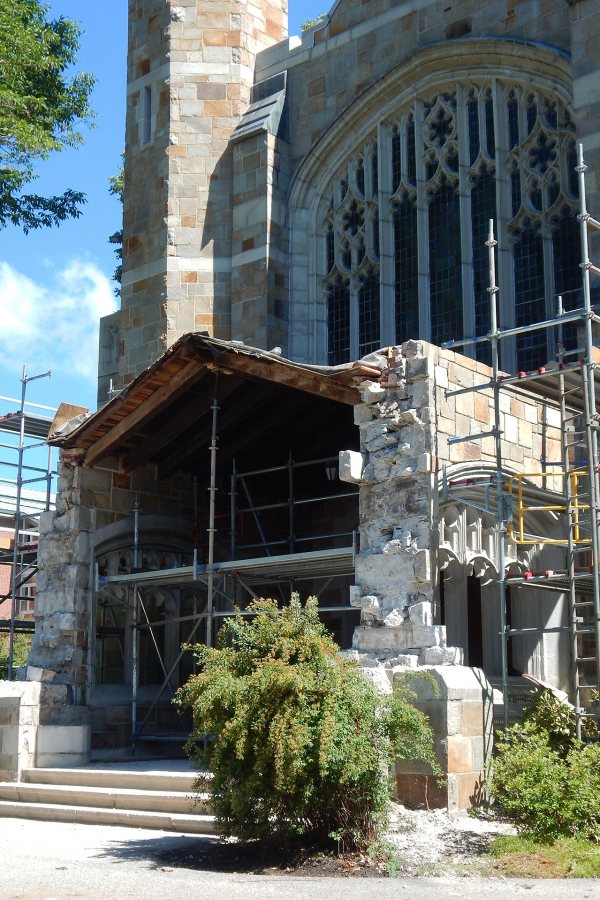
(47, 860)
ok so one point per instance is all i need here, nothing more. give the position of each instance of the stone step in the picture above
(105, 797)
(89, 815)
(116, 778)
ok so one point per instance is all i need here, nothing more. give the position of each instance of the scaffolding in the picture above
(20, 505)
(220, 589)
(577, 502)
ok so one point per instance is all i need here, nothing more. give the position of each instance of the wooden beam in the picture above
(289, 376)
(145, 411)
(172, 428)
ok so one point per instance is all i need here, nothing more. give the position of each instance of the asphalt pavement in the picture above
(55, 861)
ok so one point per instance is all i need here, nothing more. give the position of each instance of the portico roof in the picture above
(163, 415)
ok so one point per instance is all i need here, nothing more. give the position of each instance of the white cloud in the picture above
(55, 323)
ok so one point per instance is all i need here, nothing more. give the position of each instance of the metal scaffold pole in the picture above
(576, 400)
(493, 290)
(211, 518)
(20, 481)
(591, 416)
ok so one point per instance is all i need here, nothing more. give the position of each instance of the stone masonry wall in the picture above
(405, 421)
(46, 721)
(87, 500)
(360, 42)
(458, 704)
(259, 281)
(363, 57)
(191, 67)
(585, 54)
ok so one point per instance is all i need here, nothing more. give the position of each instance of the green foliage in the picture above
(117, 182)
(546, 780)
(21, 647)
(310, 23)
(41, 109)
(117, 189)
(521, 857)
(302, 743)
(548, 714)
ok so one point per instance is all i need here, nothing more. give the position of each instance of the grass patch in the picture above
(520, 857)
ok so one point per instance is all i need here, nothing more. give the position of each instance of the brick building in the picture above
(319, 199)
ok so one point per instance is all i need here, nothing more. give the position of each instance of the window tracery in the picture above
(408, 212)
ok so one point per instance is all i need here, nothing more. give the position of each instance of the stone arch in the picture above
(367, 120)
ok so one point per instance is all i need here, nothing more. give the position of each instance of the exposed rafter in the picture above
(144, 412)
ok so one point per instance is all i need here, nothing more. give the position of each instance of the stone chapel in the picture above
(306, 226)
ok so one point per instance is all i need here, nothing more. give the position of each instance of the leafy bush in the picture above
(557, 720)
(309, 23)
(544, 778)
(301, 743)
(21, 648)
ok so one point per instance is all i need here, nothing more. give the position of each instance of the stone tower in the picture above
(189, 79)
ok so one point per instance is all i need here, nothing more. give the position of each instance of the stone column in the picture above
(58, 728)
(396, 568)
(458, 704)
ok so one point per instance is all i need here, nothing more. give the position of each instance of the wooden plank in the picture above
(289, 376)
(145, 411)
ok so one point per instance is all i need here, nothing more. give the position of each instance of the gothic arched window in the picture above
(407, 220)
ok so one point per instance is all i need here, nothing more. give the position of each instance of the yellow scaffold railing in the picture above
(517, 534)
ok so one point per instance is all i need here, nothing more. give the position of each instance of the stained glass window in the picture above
(368, 314)
(406, 216)
(483, 208)
(529, 296)
(338, 323)
(406, 271)
(444, 266)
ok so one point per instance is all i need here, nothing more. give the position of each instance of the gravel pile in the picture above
(435, 841)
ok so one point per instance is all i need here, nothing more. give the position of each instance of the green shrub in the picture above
(301, 744)
(309, 23)
(21, 648)
(544, 778)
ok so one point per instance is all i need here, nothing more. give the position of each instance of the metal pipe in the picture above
(590, 386)
(567, 485)
(291, 501)
(14, 579)
(165, 682)
(134, 669)
(211, 516)
(285, 503)
(195, 534)
(25, 379)
(233, 510)
(297, 465)
(253, 612)
(30, 402)
(49, 478)
(136, 532)
(151, 626)
(255, 515)
(493, 290)
(572, 316)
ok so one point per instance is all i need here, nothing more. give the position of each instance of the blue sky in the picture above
(56, 283)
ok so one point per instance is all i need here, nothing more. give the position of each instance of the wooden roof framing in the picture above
(163, 416)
